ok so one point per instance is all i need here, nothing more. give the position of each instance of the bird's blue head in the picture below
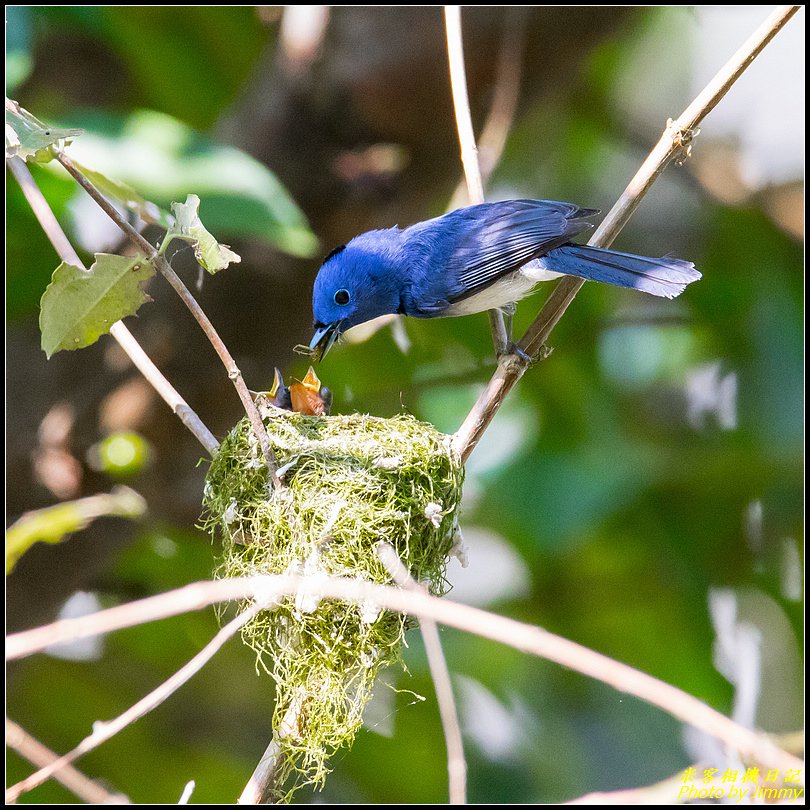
(357, 282)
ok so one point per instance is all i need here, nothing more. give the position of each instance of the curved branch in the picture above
(534, 640)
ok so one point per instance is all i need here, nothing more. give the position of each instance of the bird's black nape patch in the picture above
(334, 252)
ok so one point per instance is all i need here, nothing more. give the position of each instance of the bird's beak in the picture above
(311, 380)
(278, 383)
(323, 339)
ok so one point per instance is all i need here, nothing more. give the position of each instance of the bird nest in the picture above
(351, 482)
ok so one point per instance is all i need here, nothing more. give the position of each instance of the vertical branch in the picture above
(505, 98)
(266, 781)
(466, 137)
(461, 104)
(676, 140)
(45, 216)
(234, 374)
(456, 763)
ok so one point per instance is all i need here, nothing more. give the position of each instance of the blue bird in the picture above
(473, 259)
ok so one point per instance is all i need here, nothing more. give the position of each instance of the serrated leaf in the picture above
(209, 253)
(127, 196)
(79, 306)
(28, 137)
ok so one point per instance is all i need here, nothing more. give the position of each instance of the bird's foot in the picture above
(514, 350)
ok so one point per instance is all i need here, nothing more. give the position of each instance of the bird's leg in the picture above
(509, 346)
(500, 335)
(508, 311)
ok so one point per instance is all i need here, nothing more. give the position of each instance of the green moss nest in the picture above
(352, 481)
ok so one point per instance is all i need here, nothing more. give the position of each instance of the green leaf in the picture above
(209, 253)
(28, 137)
(52, 524)
(127, 196)
(78, 306)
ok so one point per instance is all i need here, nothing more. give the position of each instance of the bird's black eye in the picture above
(342, 297)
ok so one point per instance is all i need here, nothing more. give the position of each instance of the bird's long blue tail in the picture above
(666, 277)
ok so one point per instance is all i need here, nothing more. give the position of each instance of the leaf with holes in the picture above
(209, 253)
(79, 306)
(28, 137)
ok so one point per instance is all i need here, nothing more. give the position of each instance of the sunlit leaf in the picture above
(28, 137)
(78, 307)
(209, 253)
(120, 454)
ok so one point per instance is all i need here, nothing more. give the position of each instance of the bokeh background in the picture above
(641, 490)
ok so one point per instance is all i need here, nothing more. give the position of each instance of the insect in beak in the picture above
(324, 338)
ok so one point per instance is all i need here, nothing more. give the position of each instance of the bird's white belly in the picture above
(505, 290)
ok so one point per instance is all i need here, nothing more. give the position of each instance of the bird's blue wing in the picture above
(500, 238)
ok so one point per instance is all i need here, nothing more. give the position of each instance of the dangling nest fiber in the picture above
(352, 481)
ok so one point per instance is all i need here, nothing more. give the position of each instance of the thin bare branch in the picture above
(466, 137)
(461, 104)
(751, 745)
(103, 731)
(45, 216)
(676, 140)
(75, 781)
(234, 374)
(456, 763)
(505, 98)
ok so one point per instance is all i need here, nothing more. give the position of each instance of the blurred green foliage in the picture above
(626, 499)
(56, 523)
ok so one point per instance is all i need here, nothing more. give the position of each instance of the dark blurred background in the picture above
(641, 490)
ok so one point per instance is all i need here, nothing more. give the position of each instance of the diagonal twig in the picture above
(666, 791)
(19, 740)
(45, 216)
(104, 731)
(676, 140)
(234, 374)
